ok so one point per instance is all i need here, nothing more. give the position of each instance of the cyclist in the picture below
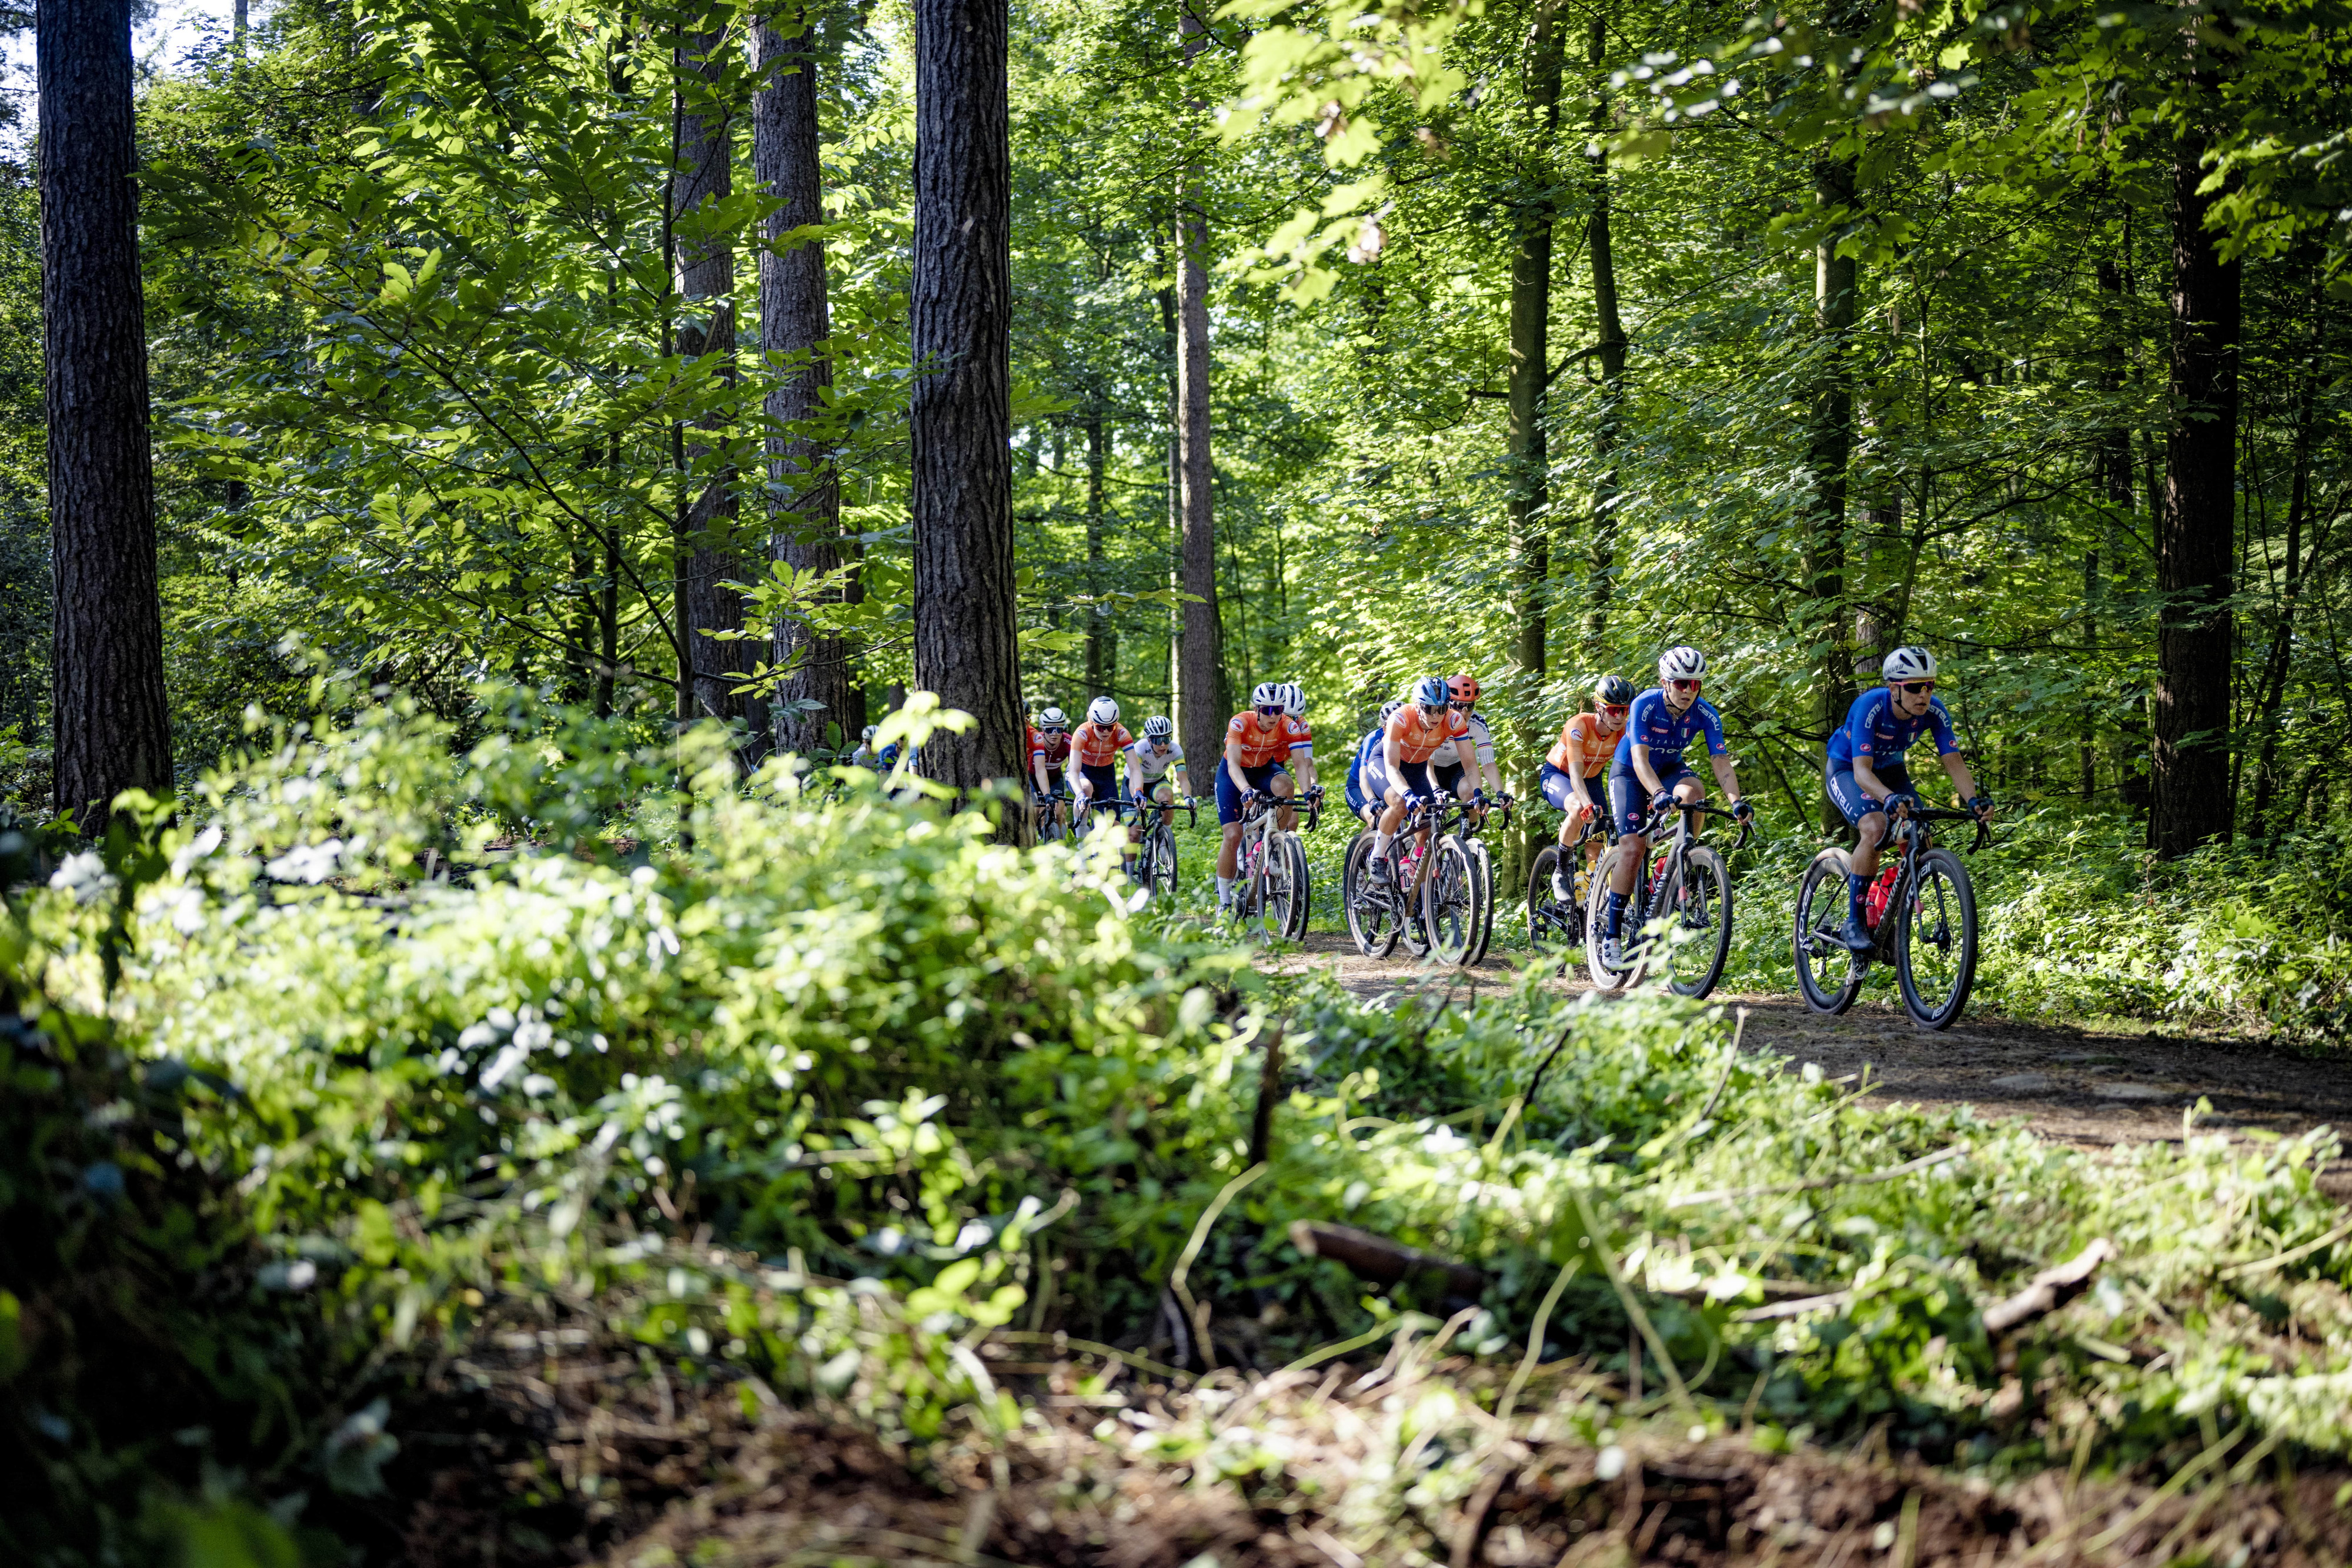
(1096, 746)
(1407, 743)
(1259, 747)
(1366, 782)
(1149, 761)
(1049, 751)
(1647, 772)
(1445, 764)
(1868, 777)
(1576, 770)
(864, 756)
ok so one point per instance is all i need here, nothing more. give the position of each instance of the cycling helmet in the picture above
(1294, 699)
(867, 735)
(1613, 689)
(1388, 710)
(1909, 663)
(1682, 664)
(1102, 711)
(1463, 689)
(1053, 719)
(1157, 728)
(1430, 693)
(1268, 695)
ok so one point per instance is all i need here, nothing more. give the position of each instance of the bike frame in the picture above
(1915, 832)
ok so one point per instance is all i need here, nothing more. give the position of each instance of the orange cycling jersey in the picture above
(1098, 745)
(1053, 745)
(1418, 738)
(1584, 746)
(1265, 740)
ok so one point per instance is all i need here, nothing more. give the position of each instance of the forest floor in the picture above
(2095, 1085)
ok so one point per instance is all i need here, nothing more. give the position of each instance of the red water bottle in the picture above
(1880, 891)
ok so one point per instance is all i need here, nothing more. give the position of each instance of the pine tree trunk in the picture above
(1206, 703)
(1530, 495)
(2298, 507)
(2198, 530)
(707, 281)
(966, 615)
(110, 720)
(1100, 660)
(1601, 552)
(795, 327)
(1835, 282)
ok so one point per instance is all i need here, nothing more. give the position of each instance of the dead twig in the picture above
(2050, 1290)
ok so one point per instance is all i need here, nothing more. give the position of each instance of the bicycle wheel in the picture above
(1935, 944)
(1596, 924)
(1828, 974)
(1159, 874)
(1484, 864)
(1409, 886)
(1552, 921)
(1370, 919)
(1699, 937)
(1286, 891)
(1449, 901)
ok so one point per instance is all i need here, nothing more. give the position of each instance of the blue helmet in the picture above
(1430, 693)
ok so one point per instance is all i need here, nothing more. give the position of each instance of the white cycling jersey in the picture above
(1153, 766)
(1482, 745)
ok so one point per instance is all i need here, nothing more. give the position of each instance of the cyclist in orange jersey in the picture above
(1412, 738)
(1576, 771)
(1260, 744)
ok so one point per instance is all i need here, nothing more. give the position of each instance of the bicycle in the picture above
(1934, 964)
(1434, 903)
(1154, 867)
(1381, 913)
(1052, 825)
(1551, 918)
(1271, 895)
(1460, 849)
(1680, 894)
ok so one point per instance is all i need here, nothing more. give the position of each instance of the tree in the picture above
(1530, 356)
(1836, 280)
(966, 616)
(795, 329)
(1608, 428)
(1204, 701)
(109, 714)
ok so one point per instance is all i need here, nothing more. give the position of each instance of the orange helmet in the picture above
(1463, 689)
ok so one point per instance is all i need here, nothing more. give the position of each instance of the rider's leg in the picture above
(1284, 817)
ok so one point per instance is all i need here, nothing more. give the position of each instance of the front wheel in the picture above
(1935, 944)
(1286, 859)
(1483, 864)
(1161, 877)
(1449, 901)
(1698, 932)
(1596, 924)
(1828, 972)
(1553, 921)
(1371, 917)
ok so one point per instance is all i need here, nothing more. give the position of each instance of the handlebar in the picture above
(1188, 806)
(1944, 814)
(1659, 817)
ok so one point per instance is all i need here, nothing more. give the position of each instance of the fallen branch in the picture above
(2051, 1289)
(1802, 1305)
(2289, 1256)
(1857, 1178)
(1378, 1260)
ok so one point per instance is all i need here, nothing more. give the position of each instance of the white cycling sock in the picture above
(1380, 842)
(1225, 891)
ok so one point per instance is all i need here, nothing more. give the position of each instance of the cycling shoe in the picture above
(1857, 936)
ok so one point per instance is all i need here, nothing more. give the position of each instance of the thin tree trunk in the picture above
(1530, 496)
(2298, 506)
(707, 281)
(796, 328)
(1837, 279)
(967, 647)
(1098, 659)
(2198, 534)
(1608, 430)
(1205, 706)
(109, 718)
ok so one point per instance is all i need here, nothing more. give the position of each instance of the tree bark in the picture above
(1206, 706)
(967, 647)
(2199, 530)
(707, 330)
(1530, 496)
(795, 332)
(110, 718)
(1601, 551)
(2298, 507)
(1101, 649)
(1836, 280)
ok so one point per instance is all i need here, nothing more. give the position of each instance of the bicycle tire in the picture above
(1289, 895)
(1449, 901)
(1483, 862)
(1161, 878)
(1551, 921)
(1596, 923)
(1374, 926)
(1695, 909)
(1942, 893)
(1813, 939)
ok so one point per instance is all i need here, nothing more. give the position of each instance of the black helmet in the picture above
(1613, 689)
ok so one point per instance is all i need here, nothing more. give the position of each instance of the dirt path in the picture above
(2076, 1086)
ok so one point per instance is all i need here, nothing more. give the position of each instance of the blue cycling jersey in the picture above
(1363, 757)
(1665, 732)
(1874, 729)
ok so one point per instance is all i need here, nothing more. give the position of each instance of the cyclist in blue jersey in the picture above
(1867, 774)
(1367, 778)
(1647, 772)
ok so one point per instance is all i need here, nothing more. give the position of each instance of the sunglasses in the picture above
(1464, 704)
(1271, 710)
(1914, 688)
(1683, 685)
(1613, 710)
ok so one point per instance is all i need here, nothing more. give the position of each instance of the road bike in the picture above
(1380, 913)
(1154, 865)
(1053, 826)
(1464, 849)
(1440, 897)
(1552, 920)
(1931, 941)
(1270, 888)
(1678, 916)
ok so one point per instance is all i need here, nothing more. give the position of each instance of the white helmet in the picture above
(867, 734)
(1157, 728)
(1102, 710)
(1909, 663)
(1053, 719)
(1388, 709)
(1682, 662)
(1294, 698)
(1268, 695)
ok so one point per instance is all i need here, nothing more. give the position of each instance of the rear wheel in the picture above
(1371, 917)
(1484, 864)
(1596, 921)
(1935, 944)
(1699, 937)
(1449, 900)
(1828, 973)
(1553, 921)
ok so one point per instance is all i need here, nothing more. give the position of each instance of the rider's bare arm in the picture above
(1644, 771)
(1953, 763)
(1726, 775)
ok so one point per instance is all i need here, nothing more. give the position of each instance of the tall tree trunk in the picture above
(2198, 530)
(795, 327)
(967, 647)
(1202, 720)
(2298, 506)
(707, 330)
(1600, 551)
(2114, 484)
(110, 721)
(1836, 280)
(1100, 659)
(1530, 496)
